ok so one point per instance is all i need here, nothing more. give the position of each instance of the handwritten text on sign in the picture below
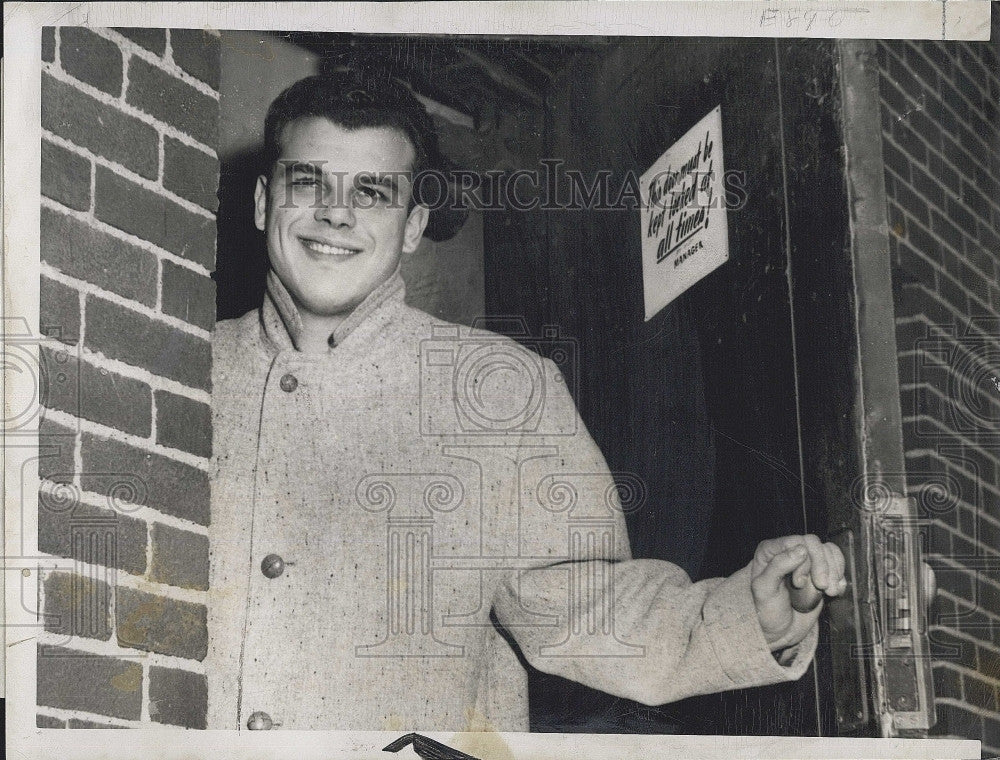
(684, 234)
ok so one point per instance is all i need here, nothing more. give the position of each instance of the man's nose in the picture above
(336, 211)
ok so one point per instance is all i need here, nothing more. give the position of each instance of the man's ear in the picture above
(416, 223)
(260, 203)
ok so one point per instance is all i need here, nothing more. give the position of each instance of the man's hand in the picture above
(807, 559)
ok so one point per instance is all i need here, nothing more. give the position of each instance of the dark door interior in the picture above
(700, 401)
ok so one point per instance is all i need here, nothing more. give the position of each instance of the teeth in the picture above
(330, 250)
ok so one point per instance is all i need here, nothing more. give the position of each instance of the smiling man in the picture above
(335, 231)
(404, 511)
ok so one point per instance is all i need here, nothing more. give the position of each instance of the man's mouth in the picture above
(328, 250)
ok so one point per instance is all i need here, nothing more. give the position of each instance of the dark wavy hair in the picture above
(353, 101)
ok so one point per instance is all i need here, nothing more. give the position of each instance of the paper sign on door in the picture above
(684, 233)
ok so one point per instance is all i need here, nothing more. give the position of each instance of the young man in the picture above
(402, 509)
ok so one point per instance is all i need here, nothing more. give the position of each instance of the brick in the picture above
(77, 723)
(46, 721)
(154, 40)
(65, 176)
(177, 697)
(77, 606)
(896, 219)
(909, 141)
(920, 401)
(927, 186)
(961, 216)
(948, 648)
(969, 88)
(163, 350)
(953, 293)
(956, 581)
(170, 100)
(986, 184)
(947, 683)
(180, 558)
(886, 119)
(91, 58)
(79, 250)
(123, 139)
(925, 127)
(892, 95)
(979, 135)
(980, 693)
(958, 157)
(979, 257)
(989, 663)
(943, 173)
(915, 265)
(896, 160)
(956, 721)
(72, 680)
(987, 237)
(153, 217)
(190, 173)
(936, 54)
(939, 540)
(979, 465)
(188, 295)
(989, 537)
(171, 487)
(976, 201)
(954, 99)
(157, 624)
(921, 66)
(939, 113)
(59, 518)
(949, 232)
(59, 383)
(55, 451)
(197, 51)
(909, 332)
(108, 398)
(182, 423)
(990, 111)
(48, 44)
(903, 77)
(59, 311)
(991, 736)
(974, 282)
(912, 203)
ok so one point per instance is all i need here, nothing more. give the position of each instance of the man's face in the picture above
(334, 231)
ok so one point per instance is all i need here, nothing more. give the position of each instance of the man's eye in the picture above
(373, 193)
(304, 182)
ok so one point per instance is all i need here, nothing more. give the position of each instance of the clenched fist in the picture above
(807, 560)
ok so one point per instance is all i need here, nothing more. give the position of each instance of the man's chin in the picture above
(333, 307)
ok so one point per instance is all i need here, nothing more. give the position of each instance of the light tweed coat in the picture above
(403, 518)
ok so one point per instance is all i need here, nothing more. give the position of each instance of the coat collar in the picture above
(281, 322)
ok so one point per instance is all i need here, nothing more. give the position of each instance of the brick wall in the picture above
(941, 144)
(129, 177)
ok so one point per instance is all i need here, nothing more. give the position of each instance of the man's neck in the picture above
(317, 332)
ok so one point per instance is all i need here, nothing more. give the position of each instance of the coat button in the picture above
(288, 383)
(260, 721)
(272, 566)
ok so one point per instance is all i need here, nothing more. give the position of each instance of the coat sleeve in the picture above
(635, 628)
(668, 638)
